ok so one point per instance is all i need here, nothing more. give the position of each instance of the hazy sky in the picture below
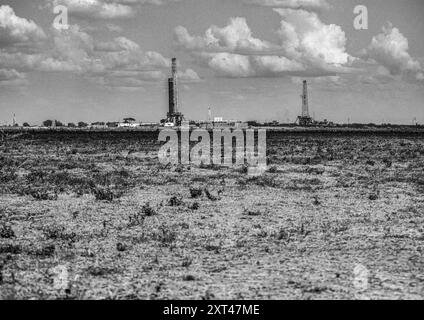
(243, 58)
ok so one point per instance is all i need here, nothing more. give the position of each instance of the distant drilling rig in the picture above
(174, 117)
(305, 119)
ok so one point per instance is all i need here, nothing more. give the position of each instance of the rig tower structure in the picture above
(174, 117)
(305, 119)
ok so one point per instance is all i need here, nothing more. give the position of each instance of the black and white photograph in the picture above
(211, 150)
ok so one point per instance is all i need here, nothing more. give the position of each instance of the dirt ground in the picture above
(95, 216)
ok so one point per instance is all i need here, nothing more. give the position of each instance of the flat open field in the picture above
(95, 216)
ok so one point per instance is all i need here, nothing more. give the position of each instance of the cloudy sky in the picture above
(244, 58)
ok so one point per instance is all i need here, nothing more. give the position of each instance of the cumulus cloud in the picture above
(390, 50)
(119, 62)
(10, 74)
(304, 34)
(16, 30)
(95, 8)
(105, 9)
(235, 38)
(309, 5)
(189, 75)
(307, 47)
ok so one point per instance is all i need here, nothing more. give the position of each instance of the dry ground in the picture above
(94, 216)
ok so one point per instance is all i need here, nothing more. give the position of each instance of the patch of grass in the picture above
(166, 235)
(39, 193)
(14, 249)
(97, 271)
(263, 181)
(212, 167)
(46, 251)
(252, 212)
(58, 233)
(187, 262)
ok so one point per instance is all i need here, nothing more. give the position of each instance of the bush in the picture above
(166, 235)
(59, 233)
(211, 196)
(175, 202)
(195, 206)
(40, 194)
(272, 169)
(11, 249)
(6, 232)
(148, 210)
(105, 194)
(196, 193)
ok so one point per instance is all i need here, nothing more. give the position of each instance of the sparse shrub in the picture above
(243, 169)
(212, 166)
(272, 169)
(175, 201)
(370, 163)
(97, 271)
(179, 169)
(58, 233)
(210, 196)
(252, 212)
(105, 194)
(373, 197)
(189, 278)
(148, 210)
(187, 262)
(316, 171)
(136, 219)
(213, 247)
(45, 251)
(39, 194)
(316, 201)
(195, 206)
(283, 235)
(263, 181)
(6, 177)
(196, 193)
(14, 249)
(6, 232)
(166, 235)
(387, 162)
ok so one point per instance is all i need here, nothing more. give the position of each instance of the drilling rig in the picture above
(174, 117)
(305, 120)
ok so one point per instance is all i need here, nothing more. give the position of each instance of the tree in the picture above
(58, 124)
(26, 125)
(112, 124)
(82, 125)
(129, 120)
(71, 125)
(48, 123)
